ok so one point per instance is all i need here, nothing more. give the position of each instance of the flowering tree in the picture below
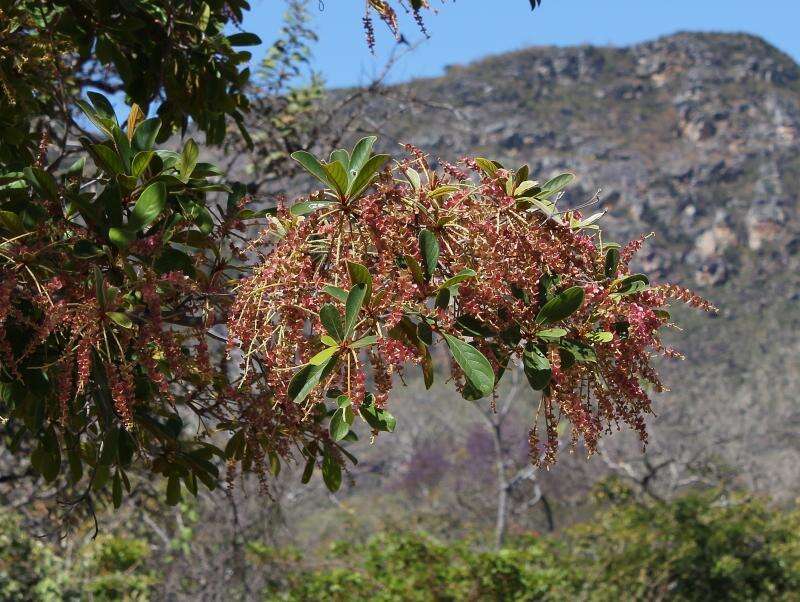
(143, 331)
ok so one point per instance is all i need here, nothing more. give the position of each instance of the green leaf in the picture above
(365, 175)
(335, 292)
(415, 269)
(101, 123)
(43, 181)
(602, 336)
(145, 135)
(203, 16)
(537, 367)
(306, 379)
(361, 154)
(378, 418)
(116, 490)
(331, 472)
(99, 287)
(328, 341)
(308, 470)
(332, 321)
(360, 275)
(429, 247)
(612, 262)
(464, 274)
(323, 356)
(102, 106)
(633, 284)
(11, 222)
(173, 490)
(476, 367)
(355, 300)
(442, 299)
(337, 177)
(556, 184)
(140, 162)
(149, 206)
(473, 327)
(414, 178)
(108, 159)
(307, 207)
(121, 237)
(174, 260)
(244, 38)
(364, 342)
(561, 306)
(577, 351)
(120, 318)
(235, 446)
(312, 165)
(342, 156)
(188, 159)
(551, 334)
(339, 427)
(488, 167)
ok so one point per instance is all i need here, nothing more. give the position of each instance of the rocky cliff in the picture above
(695, 137)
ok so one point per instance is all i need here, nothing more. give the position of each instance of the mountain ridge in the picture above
(693, 136)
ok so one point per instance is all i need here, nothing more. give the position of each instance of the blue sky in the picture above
(469, 29)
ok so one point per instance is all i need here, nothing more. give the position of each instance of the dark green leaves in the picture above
(355, 300)
(332, 321)
(575, 351)
(348, 175)
(145, 134)
(561, 306)
(360, 275)
(361, 153)
(464, 274)
(378, 418)
(341, 421)
(244, 39)
(188, 160)
(537, 367)
(331, 472)
(365, 175)
(312, 165)
(556, 184)
(308, 207)
(633, 284)
(306, 379)
(429, 247)
(612, 262)
(148, 207)
(476, 367)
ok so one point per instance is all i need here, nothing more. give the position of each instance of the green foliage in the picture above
(108, 568)
(698, 547)
(173, 56)
(124, 242)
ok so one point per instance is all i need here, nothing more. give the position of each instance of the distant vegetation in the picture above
(703, 546)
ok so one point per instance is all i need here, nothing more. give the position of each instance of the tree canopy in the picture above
(145, 329)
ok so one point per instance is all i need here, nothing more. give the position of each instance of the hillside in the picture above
(692, 136)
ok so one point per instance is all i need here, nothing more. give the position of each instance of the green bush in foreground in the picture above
(695, 548)
(698, 547)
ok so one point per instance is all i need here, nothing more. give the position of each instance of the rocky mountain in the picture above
(695, 137)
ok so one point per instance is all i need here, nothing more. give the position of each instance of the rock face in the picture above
(697, 138)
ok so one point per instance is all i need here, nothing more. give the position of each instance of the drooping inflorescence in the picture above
(356, 283)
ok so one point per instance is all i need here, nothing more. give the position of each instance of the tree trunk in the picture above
(501, 522)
